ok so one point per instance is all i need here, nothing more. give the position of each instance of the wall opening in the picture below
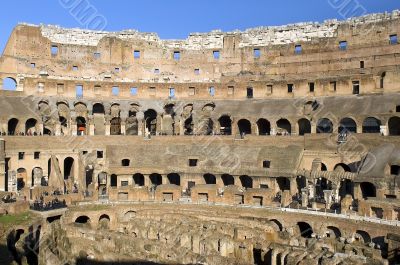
(324, 126)
(347, 125)
(304, 126)
(394, 126)
(246, 181)
(227, 179)
(225, 124)
(138, 179)
(264, 127)
(371, 125)
(367, 189)
(209, 179)
(174, 178)
(244, 127)
(284, 127)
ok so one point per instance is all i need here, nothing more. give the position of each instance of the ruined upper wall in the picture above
(261, 36)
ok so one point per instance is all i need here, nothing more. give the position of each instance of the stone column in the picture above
(313, 127)
(58, 129)
(2, 165)
(304, 197)
(328, 198)
(140, 127)
(273, 257)
(384, 130)
(91, 129)
(74, 128)
(234, 128)
(108, 127)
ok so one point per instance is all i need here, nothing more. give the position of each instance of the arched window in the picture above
(246, 181)
(324, 126)
(115, 126)
(264, 127)
(138, 179)
(82, 220)
(30, 127)
(228, 179)
(305, 230)
(13, 126)
(304, 126)
(347, 125)
(284, 127)
(98, 108)
(244, 126)
(368, 189)
(209, 179)
(156, 179)
(283, 183)
(225, 124)
(9, 83)
(150, 117)
(371, 125)
(394, 126)
(81, 125)
(174, 178)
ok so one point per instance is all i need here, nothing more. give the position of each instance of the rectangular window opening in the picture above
(124, 183)
(115, 91)
(21, 155)
(33, 65)
(60, 88)
(393, 39)
(74, 68)
(136, 54)
(117, 69)
(356, 87)
(311, 86)
(192, 91)
(196, 71)
(177, 55)
(231, 90)
(290, 88)
(298, 49)
(156, 71)
(99, 154)
(211, 91)
(216, 55)
(343, 45)
(249, 92)
(362, 64)
(192, 162)
(36, 155)
(54, 50)
(79, 91)
(96, 55)
(134, 91)
(257, 53)
(333, 86)
(269, 89)
(171, 92)
(266, 164)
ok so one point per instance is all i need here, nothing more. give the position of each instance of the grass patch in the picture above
(16, 219)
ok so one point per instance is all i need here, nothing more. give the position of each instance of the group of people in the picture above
(40, 205)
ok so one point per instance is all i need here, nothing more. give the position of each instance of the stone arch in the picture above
(371, 125)
(115, 126)
(38, 178)
(333, 232)
(228, 179)
(225, 123)
(22, 178)
(174, 178)
(246, 181)
(69, 166)
(244, 126)
(278, 225)
(155, 179)
(13, 126)
(104, 222)
(31, 127)
(304, 229)
(138, 179)
(284, 127)
(264, 127)
(341, 167)
(324, 125)
(394, 126)
(304, 126)
(209, 178)
(362, 237)
(150, 118)
(367, 189)
(98, 108)
(83, 219)
(80, 125)
(347, 125)
(129, 216)
(9, 83)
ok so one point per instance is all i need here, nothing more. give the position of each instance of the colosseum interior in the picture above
(273, 145)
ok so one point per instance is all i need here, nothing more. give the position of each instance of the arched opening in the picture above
(367, 189)
(30, 127)
(284, 127)
(264, 127)
(225, 124)
(156, 179)
(189, 126)
(371, 125)
(347, 125)
(68, 167)
(394, 126)
(125, 162)
(283, 183)
(129, 215)
(138, 179)
(150, 117)
(362, 237)
(246, 181)
(102, 183)
(22, 178)
(81, 125)
(346, 188)
(83, 219)
(341, 167)
(209, 179)
(37, 176)
(9, 83)
(304, 126)
(278, 224)
(104, 222)
(174, 178)
(333, 232)
(52, 219)
(13, 126)
(113, 180)
(98, 108)
(115, 126)
(301, 182)
(305, 230)
(321, 185)
(324, 126)
(228, 179)
(244, 127)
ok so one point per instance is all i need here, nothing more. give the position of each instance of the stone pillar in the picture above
(384, 130)
(58, 129)
(234, 127)
(311, 190)
(273, 128)
(74, 128)
(108, 127)
(359, 128)
(328, 198)
(293, 185)
(273, 257)
(313, 127)
(2, 166)
(140, 127)
(91, 129)
(219, 181)
(123, 127)
(304, 197)
(147, 181)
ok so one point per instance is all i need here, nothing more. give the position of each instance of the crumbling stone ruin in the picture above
(275, 145)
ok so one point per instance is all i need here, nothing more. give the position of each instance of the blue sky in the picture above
(177, 18)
